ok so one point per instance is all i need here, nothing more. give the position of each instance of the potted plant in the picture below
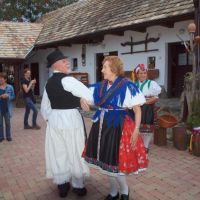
(193, 120)
(193, 123)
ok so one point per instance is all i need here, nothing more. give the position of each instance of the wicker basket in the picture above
(167, 120)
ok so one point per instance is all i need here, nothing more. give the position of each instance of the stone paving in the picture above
(172, 174)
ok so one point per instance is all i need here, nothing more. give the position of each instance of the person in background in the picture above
(29, 99)
(65, 134)
(151, 90)
(6, 96)
(114, 145)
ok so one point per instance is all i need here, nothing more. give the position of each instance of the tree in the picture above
(191, 92)
(28, 10)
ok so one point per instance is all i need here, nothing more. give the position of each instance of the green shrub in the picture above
(194, 119)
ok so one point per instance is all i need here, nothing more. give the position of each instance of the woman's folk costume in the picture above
(150, 89)
(108, 147)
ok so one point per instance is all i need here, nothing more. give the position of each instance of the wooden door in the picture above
(35, 74)
(99, 60)
(12, 71)
(179, 64)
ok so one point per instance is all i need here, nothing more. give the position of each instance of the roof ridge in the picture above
(80, 2)
(20, 23)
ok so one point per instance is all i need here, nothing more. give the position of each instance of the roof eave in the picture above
(11, 60)
(141, 27)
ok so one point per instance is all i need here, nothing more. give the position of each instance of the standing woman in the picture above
(151, 90)
(28, 87)
(114, 145)
(6, 96)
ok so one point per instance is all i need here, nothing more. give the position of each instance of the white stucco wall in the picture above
(113, 43)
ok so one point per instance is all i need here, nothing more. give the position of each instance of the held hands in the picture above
(134, 138)
(84, 105)
(33, 82)
(152, 100)
(4, 96)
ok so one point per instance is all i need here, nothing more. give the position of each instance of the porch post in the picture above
(197, 22)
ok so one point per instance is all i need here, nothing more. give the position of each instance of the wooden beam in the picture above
(90, 39)
(116, 32)
(196, 3)
(11, 60)
(137, 29)
(197, 21)
(168, 24)
(96, 38)
(133, 52)
(53, 45)
(99, 36)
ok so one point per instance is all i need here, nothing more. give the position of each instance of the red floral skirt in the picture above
(131, 160)
(110, 149)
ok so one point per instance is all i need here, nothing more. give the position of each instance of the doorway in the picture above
(35, 75)
(99, 60)
(179, 63)
(12, 72)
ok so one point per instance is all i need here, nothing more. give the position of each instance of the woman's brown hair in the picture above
(116, 65)
(26, 70)
(3, 75)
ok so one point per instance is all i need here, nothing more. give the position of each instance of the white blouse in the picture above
(65, 118)
(152, 90)
(129, 100)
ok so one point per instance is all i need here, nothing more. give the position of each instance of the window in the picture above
(74, 64)
(184, 59)
(151, 62)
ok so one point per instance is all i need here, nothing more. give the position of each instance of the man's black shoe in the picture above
(109, 197)
(124, 197)
(9, 139)
(27, 127)
(36, 127)
(1, 140)
(63, 189)
(80, 191)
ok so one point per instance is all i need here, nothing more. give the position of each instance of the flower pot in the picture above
(160, 136)
(180, 138)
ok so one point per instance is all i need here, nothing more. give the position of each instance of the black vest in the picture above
(60, 98)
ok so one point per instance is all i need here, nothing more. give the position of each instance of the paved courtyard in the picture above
(172, 174)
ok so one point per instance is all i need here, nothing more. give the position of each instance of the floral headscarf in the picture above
(140, 67)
